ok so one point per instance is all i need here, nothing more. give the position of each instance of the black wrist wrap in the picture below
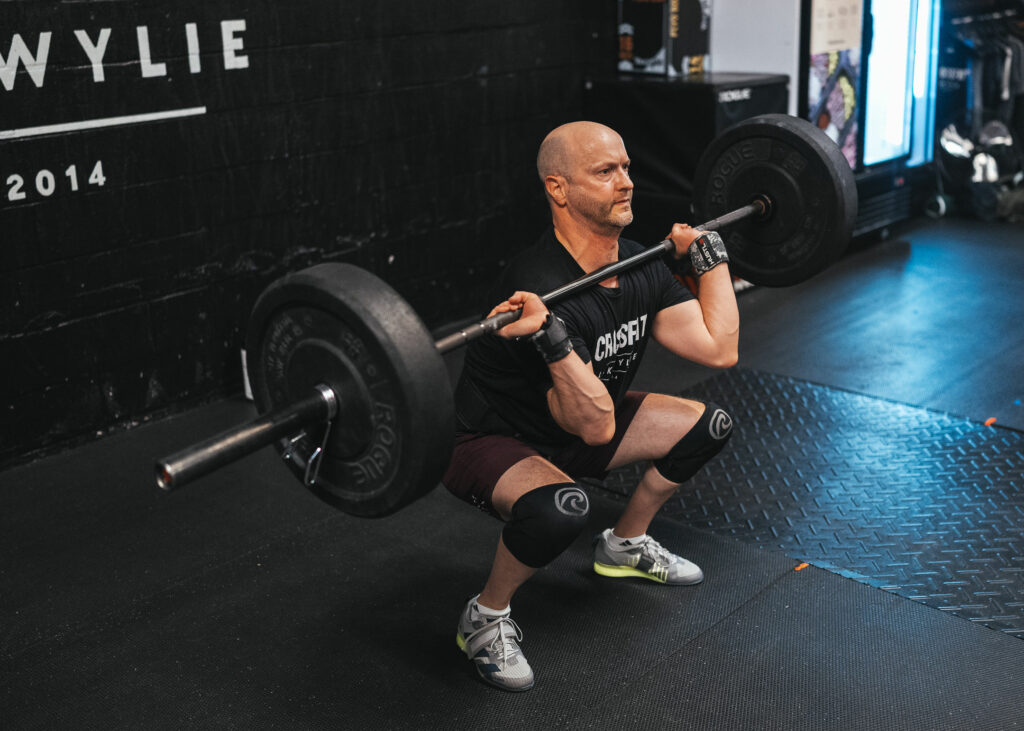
(552, 340)
(706, 252)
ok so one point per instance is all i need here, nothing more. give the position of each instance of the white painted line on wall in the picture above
(49, 129)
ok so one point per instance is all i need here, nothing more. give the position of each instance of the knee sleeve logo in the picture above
(572, 501)
(721, 425)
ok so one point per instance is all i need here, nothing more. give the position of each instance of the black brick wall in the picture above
(395, 135)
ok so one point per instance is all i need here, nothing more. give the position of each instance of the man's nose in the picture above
(624, 180)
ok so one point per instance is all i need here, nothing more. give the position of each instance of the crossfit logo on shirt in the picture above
(572, 501)
(614, 352)
(626, 335)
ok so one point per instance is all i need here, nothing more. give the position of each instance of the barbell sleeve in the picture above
(758, 207)
(200, 459)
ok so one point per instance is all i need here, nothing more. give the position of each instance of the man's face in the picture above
(600, 190)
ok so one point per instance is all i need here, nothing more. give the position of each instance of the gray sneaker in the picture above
(492, 644)
(648, 559)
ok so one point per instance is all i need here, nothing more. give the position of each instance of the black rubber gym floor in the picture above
(927, 505)
(243, 601)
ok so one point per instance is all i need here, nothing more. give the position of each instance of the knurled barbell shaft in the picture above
(200, 459)
(491, 324)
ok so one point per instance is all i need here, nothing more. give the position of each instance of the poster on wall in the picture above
(835, 25)
(835, 70)
(832, 98)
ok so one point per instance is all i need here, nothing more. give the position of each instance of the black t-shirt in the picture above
(505, 382)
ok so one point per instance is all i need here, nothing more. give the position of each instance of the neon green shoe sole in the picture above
(619, 572)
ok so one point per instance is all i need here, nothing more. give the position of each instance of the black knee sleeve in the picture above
(545, 521)
(701, 443)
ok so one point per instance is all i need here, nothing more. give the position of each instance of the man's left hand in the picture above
(682, 235)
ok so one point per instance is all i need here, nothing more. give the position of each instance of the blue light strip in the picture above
(925, 82)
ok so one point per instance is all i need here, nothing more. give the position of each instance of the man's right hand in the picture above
(579, 402)
(535, 313)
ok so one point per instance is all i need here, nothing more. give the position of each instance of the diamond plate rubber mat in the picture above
(919, 503)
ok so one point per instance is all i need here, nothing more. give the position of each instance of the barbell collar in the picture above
(758, 207)
(200, 459)
(330, 399)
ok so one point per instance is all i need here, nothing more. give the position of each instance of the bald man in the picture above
(548, 402)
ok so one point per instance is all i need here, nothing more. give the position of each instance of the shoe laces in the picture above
(659, 552)
(504, 643)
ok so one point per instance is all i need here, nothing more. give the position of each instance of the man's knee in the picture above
(706, 439)
(545, 521)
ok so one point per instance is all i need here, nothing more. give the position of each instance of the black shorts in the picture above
(479, 460)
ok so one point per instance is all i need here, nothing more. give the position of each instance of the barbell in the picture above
(353, 391)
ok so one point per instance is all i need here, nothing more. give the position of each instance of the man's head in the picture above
(585, 172)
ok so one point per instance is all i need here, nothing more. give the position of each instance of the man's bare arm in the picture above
(578, 400)
(705, 330)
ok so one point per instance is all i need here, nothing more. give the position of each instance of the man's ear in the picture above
(557, 189)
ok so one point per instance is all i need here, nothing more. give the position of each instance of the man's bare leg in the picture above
(652, 492)
(507, 572)
(658, 425)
